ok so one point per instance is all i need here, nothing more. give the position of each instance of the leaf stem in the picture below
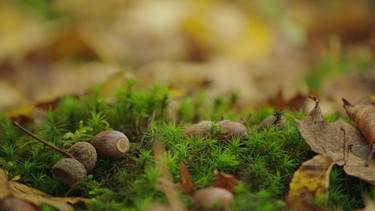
(65, 153)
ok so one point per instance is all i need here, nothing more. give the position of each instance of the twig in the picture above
(65, 153)
(165, 179)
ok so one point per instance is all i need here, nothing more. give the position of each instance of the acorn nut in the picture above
(232, 129)
(211, 198)
(204, 128)
(69, 171)
(273, 120)
(190, 131)
(85, 153)
(111, 144)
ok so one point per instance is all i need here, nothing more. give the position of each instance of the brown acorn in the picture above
(211, 198)
(190, 131)
(276, 119)
(232, 129)
(85, 153)
(111, 144)
(69, 171)
(204, 128)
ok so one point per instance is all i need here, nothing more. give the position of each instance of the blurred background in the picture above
(265, 50)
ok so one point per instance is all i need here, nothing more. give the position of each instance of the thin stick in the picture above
(165, 176)
(65, 153)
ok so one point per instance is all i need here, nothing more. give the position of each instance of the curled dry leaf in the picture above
(364, 117)
(226, 181)
(310, 185)
(187, 184)
(14, 204)
(278, 101)
(20, 191)
(340, 140)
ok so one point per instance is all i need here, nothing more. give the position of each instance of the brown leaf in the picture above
(4, 190)
(364, 117)
(226, 181)
(340, 140)
(14, 204)
(369, 204)
(186, 182)
(20, 191)
(278, 101)
(309, 186)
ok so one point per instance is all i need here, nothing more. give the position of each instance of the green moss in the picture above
(265, 163)
(261, 200)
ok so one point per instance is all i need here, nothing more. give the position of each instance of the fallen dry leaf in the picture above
(309, 186)
(187, 184)
(340, 140)
(20, 191)
(226, 181)
(369, 204)
(278, 101)
(14, 204)
(364, 117)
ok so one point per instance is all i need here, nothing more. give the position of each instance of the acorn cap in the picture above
(69, 171)
(111, 144)
(85, 153)
(209, 198)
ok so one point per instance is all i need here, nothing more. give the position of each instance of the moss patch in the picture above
(265, 163)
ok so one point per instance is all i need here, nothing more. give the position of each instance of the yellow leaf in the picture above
(309, 186)
(372, 99)
(24, 110)
(227, 31)
(20, 191)
(4, 192)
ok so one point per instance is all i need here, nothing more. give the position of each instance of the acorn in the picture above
(212, 198)
(232, 129)
(69, 171)
(276, 119)
(204, 128)
(190, 131)
(85, 153)
(111, 144)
